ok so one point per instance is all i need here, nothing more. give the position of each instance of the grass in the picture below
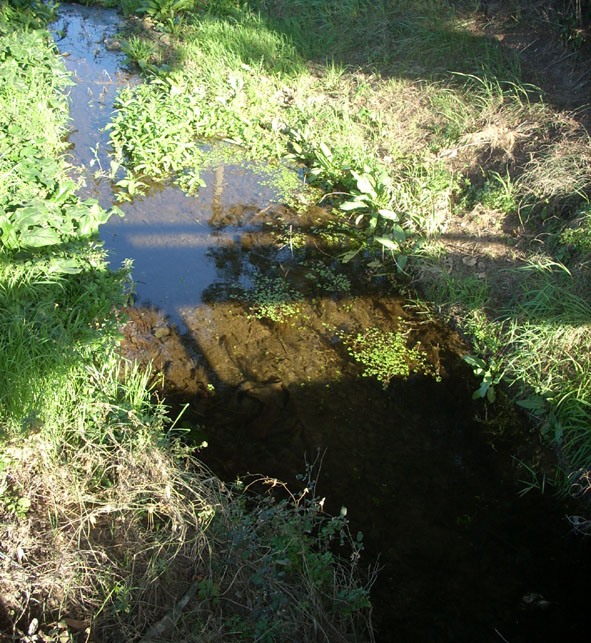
(417, 127)
(110, 528)
(136, 524)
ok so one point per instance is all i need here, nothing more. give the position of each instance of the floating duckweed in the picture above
(328, 280)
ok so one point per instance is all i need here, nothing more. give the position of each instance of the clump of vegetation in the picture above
(126, 535)
(578, 234)
(38, 203)
(272, 298)
(386, 355)
(327, 279)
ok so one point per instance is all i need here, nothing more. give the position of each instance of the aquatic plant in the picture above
(327, 279)
(386, 355)
(271, 298)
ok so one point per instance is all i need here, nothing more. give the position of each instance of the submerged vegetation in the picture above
(386, 355)
(447, 169)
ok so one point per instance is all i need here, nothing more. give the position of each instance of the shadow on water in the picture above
(426, 473)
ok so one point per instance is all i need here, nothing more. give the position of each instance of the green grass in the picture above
(48, 331)
(106, 513)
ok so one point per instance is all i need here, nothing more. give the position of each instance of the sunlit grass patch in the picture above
(52, 324)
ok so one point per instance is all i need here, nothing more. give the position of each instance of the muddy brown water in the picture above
(426, 473)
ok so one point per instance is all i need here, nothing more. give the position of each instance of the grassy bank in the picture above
(110, 529)
(449, 171)
(428, 132)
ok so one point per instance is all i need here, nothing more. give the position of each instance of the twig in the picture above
(501, 636)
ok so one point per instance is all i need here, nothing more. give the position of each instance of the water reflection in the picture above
(173, 239)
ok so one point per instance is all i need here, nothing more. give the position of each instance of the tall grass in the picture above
(550, 339)
(51, 326)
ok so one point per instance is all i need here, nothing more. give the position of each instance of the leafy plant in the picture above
(164, 10)
(48, 223)
(11, 501)
(327, 279)
(138, 50)
(490, 376)
(386, 354)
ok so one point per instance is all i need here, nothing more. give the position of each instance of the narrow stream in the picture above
(426, 473)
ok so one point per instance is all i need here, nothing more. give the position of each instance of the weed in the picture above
(251, 564)
(272, 298)
(164, 10)
(490, 375)
(541, 482)
(138, 50)
(578, 235)
(498, 193)
(386, 355)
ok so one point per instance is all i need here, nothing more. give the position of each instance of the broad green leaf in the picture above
(39, 237)
(326, 151)
(534, 403)
(352, 205)
(364, 185)
(389, 214)
(475, 362)
(87, 226)
(64, 190)
(347, 256)
(66, 266)
(24, 220)
(398, 233)
(389, 243)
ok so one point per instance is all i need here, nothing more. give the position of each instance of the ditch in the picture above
(243, 308)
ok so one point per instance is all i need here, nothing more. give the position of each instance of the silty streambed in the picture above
(426, 473)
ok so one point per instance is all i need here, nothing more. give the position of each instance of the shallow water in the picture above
(425, 472)
(165, 222)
